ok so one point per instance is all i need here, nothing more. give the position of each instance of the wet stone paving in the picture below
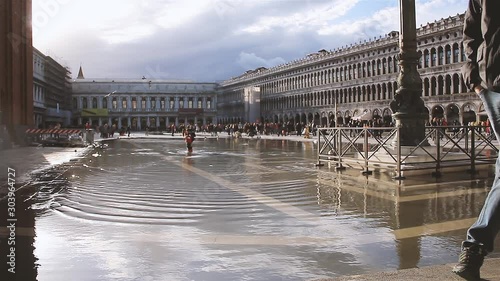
(234, 209)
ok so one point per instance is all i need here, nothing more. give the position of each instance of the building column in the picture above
(16, 69)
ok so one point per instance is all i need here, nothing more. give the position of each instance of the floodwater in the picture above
(235, 210)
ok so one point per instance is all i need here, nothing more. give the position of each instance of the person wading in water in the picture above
(189, 138)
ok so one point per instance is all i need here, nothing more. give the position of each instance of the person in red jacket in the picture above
(189, 141)
(481, 73)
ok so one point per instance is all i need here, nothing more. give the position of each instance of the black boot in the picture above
(469, 262)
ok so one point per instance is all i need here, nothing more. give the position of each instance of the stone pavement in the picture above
(28, 160)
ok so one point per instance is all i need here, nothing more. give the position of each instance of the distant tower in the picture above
(80, 74)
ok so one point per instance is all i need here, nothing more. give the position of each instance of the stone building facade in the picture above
(142, 103)
(357, 81)
(51, 92)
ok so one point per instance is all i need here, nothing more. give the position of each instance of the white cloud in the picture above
(250, 61)
(209, 40)
(306, 19)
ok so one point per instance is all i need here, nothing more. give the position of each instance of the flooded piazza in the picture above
(235, 209)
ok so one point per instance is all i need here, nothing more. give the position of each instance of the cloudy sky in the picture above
(208, 40)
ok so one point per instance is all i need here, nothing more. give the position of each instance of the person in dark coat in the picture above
(481, 73)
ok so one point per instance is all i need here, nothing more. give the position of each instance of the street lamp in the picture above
(409, 109)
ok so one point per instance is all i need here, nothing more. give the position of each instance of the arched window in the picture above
(105, 103)
(456, 53)
(94, 102)
(427, 58)
(84, 103)
(448, 55)
(433, 57)
(440, 56)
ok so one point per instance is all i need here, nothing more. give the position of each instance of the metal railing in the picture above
(379, 147)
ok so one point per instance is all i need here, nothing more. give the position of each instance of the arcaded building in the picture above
(358, 80)
(142, 103)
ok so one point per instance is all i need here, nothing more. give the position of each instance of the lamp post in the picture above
(408, 107)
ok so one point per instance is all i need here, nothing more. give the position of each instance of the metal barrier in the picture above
(379, 147)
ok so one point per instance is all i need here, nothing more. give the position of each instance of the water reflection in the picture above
(240, 210)
(25, 266)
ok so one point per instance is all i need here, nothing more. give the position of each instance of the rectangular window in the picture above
(153, 103)
(124, 103)
(143, 103)
(200, 103)
(115, 104)
(172, 103)
(162, 103)
(209, 104)
(134, 104)
(190, 103)
(181, 104)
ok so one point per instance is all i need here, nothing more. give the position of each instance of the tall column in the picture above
(408, 107)
(16, 68)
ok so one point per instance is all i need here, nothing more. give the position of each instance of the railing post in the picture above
(437, 173)
(340, 167)
(319, 164)
(473, 152)
(398, 157)
(466, 137)
(366, 148)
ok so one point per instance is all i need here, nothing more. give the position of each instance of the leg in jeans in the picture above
(484, 230)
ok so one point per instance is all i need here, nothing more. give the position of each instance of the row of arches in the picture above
(435, 56)
(461, 113)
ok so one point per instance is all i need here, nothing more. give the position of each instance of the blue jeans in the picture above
(487, 225)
